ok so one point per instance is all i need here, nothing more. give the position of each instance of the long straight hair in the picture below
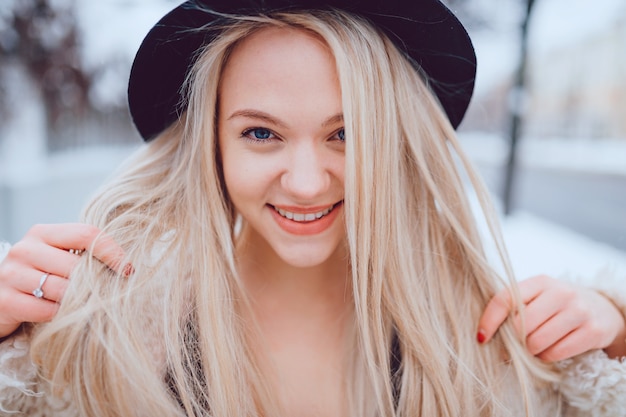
(169, 340)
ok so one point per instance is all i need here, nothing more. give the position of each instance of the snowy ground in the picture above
(540, 247)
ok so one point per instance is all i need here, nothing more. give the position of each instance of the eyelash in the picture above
(247, 135)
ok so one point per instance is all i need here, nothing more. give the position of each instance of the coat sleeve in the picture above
(593, 384)
(18, 375)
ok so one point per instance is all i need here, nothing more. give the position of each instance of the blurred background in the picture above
(547, 127)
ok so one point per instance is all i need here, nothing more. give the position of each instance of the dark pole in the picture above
(517, 107)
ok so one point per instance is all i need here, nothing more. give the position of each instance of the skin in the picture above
(45, 248)
(561, 320)
(292, 97)
(283, 83)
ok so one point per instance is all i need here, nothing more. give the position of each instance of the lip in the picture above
(305, 210)
(312, 227)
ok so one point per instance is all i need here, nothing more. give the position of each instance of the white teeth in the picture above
(303, 217)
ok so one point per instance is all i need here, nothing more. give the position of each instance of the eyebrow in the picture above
(266, 117)
(338, 118)
(257, 114)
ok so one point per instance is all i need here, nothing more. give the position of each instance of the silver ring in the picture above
(38, 292)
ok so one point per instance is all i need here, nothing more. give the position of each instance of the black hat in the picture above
(428, 33)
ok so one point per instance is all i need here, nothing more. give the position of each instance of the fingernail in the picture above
(480, 337)
(128, 270)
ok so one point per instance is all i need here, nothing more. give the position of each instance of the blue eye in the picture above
(261, 133)
(341, 135)
(258, 134)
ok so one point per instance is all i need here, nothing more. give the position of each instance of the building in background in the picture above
(576, 74)
(578, 79)
(64, 125)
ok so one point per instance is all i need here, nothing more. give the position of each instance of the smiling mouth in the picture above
(304, 217)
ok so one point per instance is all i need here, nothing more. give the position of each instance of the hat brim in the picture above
(425, 30)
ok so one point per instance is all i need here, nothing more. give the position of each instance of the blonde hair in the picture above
(419, 273)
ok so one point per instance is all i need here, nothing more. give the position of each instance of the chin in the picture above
(305, 258)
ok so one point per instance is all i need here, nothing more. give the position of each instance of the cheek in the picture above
(247, 178)
(337, 168)
(235, 169)
(235, 176)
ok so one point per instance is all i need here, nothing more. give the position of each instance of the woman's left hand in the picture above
(561, 320)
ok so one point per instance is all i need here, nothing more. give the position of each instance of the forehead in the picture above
(282, 68)
(287, 43)
(278, 53)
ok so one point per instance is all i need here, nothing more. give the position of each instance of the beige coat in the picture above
(591, 385)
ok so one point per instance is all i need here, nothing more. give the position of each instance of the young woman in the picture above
(296, 241)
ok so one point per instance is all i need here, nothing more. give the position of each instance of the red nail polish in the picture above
(128, 270)
(480, 337)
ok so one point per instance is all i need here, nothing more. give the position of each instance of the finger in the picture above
(53, 288)
(495, 313)
(573, 344)
(19, 273)
(26, 308)
(551, 332)
(107, 251)
(83, 237)
(501, 305)
(43, 257)
(537, 312)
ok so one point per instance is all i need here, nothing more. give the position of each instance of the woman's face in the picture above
(282, 145)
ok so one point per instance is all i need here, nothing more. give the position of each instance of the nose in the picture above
(307, 175)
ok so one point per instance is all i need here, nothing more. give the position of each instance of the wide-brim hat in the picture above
(425, 30)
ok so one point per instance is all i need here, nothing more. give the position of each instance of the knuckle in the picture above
(36, 230)
(582, 309)
(569, 293)
(20, 250)
(595, 331)
(502, 300)
(87, 234)
(541, 280)
(542, 277)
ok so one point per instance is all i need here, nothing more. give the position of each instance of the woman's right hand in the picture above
(48, 253)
